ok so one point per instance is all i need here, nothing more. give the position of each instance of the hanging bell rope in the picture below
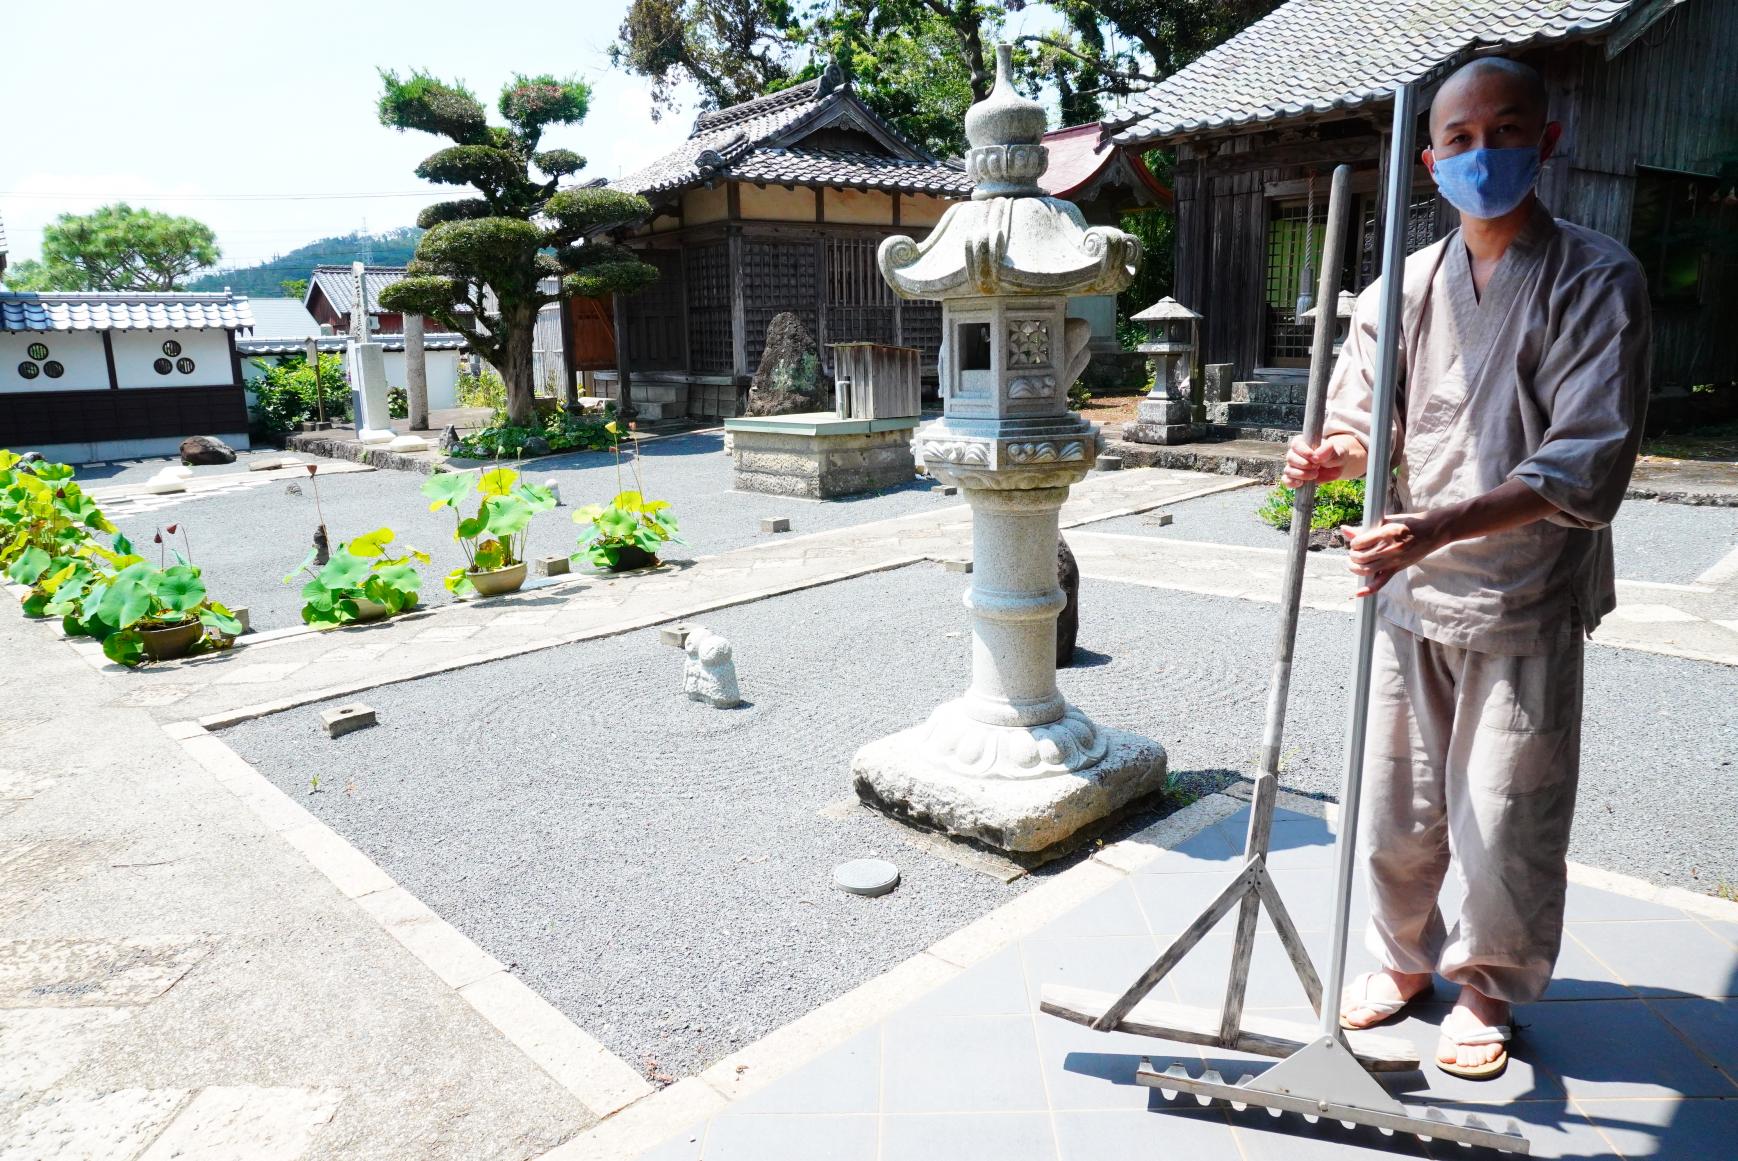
(1307, 279)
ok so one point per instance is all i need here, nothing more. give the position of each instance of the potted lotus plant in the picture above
(628, 532)
(360, 582)
(493, 537)
(142, 611)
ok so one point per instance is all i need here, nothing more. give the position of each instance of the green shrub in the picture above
(485, 390)
(562, 431)
(1078, 395)
(284, 396)
(1338, 503)
(398, 403)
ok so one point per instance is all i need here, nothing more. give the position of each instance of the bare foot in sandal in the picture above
(1375, 996)
(1474, 1037)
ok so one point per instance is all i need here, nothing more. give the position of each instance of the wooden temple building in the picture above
(1259, 123)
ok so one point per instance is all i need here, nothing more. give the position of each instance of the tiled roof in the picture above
(1081, 158)
(1313, 56)
(118, 311)
(338, 283)
(334, 344)
(746, 142)
(281, 318)
(837, 167)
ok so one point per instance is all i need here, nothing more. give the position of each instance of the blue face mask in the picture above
(1487, 183)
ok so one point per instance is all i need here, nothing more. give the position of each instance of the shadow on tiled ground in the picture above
(1632, 1053)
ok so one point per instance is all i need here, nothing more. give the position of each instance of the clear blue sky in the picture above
(254, 117)
(166, 105)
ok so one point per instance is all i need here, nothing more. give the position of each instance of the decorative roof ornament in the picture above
(1010, 238)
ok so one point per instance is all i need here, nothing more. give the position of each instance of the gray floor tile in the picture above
(1202, 976)
(1579, 976)
(956, 1064)
(1591, 905)
(1084, 1069)
(1289, 1137)
(1690, 1130)
(969, 1137)
(1663, 959)
(1522, 1080)
(1726, 931)
(1127, 1136)
(1109, 964)
(846, 1079)
(770, 1138)
(1710, 1025)
(1115, 911)
(992, 987)
(1617, 1049)
(1207, 850)
(1172, 902)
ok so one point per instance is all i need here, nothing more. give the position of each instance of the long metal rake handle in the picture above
(1376, 477)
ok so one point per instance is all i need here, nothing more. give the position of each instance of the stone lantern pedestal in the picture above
(1166, 415)
(1010, 763)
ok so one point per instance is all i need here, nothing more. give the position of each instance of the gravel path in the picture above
(658, 870)
(1665, 543)
(246, 541)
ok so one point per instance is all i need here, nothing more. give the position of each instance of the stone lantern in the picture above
(1009, 763)
(1164, 415)
(1344, 306)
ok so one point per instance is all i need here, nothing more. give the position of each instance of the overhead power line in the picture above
(46, 196)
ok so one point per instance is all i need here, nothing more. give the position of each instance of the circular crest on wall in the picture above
(162, 366)
(184, 365)
(53, 369)
(28, 370)
(38, 351)
(171, 348)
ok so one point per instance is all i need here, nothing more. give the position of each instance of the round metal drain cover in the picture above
(866, 876)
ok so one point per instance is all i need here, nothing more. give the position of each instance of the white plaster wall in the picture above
(135, 351)
(80, 352)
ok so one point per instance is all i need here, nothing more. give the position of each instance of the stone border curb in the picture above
(597, 1078)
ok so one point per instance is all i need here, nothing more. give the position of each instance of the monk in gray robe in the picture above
(1525, 354)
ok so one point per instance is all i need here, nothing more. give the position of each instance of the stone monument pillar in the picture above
(415, 373)
(1166, 415)
(1010, 763)
(365, 364)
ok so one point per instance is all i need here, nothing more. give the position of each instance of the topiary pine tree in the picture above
(523, 229)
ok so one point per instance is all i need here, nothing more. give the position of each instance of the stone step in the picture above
(1228, 431)
(1268, 391)
(1257, 414)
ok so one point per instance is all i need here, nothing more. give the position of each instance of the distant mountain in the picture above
(392, 248)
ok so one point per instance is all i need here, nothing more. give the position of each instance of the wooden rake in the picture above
(1325, 1070)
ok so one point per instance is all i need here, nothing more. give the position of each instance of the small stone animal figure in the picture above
(1068, 621)
(322, 547)
(450, 439)
(709, 673)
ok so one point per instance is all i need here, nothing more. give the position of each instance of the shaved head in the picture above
(1486, 86)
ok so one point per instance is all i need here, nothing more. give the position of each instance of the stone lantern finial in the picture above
(1005, 131)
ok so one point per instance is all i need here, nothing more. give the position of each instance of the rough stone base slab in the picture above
(1020, 816)
(1163, 434)
(821, 466)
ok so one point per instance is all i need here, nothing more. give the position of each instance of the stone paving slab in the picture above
(973, 1070)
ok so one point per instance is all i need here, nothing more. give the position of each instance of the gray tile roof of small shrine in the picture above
(725, 141)
(838, 167)
(1314, 56)
(334, 344)
(122, 311)
(281, 318)
(337, 283)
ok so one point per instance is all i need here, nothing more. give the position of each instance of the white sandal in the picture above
(1384, 1009)
(1473, 1037)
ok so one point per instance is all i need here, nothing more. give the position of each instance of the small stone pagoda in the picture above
(1010, 763)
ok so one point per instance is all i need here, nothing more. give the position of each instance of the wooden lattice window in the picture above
(709, 343)
(860, 305)
(920, 327)
(779, 277)
(655, 315)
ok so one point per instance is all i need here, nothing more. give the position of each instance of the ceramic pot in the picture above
(369, 610)
(172, 641)
(497, 581)
(632, 556)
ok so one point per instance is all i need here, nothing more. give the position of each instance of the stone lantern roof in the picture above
(1167, 309)
(1344, 306)
(1009, 239)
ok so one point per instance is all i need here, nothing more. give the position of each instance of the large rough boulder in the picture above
(788, 379)
(1067, 621)
(206, 449)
